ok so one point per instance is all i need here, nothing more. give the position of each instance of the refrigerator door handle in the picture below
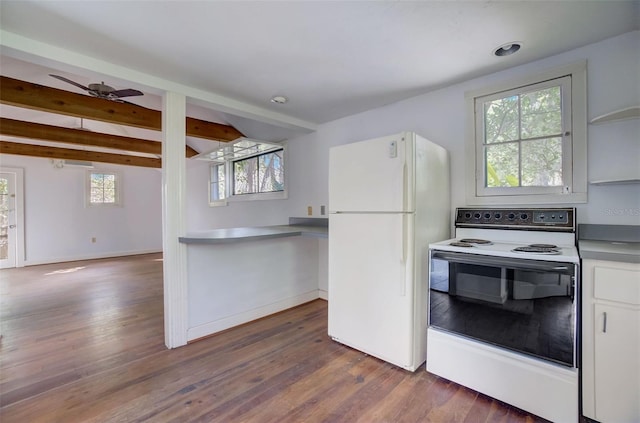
(403, 288)
(405, 178)
(404, 239)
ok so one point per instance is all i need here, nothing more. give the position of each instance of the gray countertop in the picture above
(314, 227)
(610, 250)
(609, 242)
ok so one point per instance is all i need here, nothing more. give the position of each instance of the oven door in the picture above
(524, 305)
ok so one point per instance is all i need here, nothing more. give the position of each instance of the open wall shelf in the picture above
(621, 181)
(622, 114)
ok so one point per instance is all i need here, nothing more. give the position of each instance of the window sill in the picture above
(578, 197)
(281, 195)
(220, 203)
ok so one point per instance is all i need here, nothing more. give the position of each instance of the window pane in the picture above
(501, 120)
(221, 181)
(271, 172)
(502, 167)
(217, 182)
(96, 180)
(245, 174)
(109, 181)
(96, 195)
(541, 113)
(109, 196)
(542, 162)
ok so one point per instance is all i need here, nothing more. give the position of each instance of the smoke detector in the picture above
(279, 99)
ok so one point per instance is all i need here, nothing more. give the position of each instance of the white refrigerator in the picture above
(388, 199)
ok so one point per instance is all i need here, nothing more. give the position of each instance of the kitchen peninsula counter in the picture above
(297, 227)
(237, 275)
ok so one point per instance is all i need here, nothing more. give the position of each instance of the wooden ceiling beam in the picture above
(38, 131)
(71, 154)
(38, 97)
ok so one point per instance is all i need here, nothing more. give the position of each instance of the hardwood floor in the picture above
(83, 342)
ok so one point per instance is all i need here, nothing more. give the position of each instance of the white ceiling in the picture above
(330, 58)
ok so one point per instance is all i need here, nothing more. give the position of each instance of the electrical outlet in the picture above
(322, 210)
(309, 211)
(93, 240)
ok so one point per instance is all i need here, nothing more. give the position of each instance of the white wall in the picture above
(613, 73)
(59, 227)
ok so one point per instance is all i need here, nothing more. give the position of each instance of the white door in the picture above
(372, 176)
(371, 284)
(8, 221)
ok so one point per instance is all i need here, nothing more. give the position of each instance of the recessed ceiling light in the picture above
(507, 49)
(279, 99)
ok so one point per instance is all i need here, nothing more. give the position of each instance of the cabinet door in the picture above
(617, 358)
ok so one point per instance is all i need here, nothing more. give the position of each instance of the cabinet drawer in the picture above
(620, 285)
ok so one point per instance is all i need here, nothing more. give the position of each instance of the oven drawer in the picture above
(619, 285)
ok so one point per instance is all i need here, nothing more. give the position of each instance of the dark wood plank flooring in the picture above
(83, 342)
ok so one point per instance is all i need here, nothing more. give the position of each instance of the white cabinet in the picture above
(611, 341)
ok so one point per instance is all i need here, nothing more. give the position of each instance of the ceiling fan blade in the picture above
(128, 92)
(62, 78)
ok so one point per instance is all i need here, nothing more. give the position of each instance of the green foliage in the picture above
(523, 144)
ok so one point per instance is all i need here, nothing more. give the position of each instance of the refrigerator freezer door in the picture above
(372, 176)
(371, 285)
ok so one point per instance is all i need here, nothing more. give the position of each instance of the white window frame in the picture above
(229, 179)
(222, 201)
(574, 165)
(118, 188)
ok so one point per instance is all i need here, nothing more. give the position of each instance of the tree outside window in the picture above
(259, 174)
(523, 139)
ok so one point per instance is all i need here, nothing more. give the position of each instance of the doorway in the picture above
(11, 218)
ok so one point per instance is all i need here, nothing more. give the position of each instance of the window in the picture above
(103, 188)
(217, 183)
(259, 174)
(246, 170)
(528, 141)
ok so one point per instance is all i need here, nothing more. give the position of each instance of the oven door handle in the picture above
(520, 264)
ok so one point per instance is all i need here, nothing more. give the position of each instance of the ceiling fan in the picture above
(102, 91)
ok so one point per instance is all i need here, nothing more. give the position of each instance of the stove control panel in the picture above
(557, 219)
(550, 217)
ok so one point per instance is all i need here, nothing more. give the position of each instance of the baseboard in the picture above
(88, 257)
(219, 325)
(323, 294)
